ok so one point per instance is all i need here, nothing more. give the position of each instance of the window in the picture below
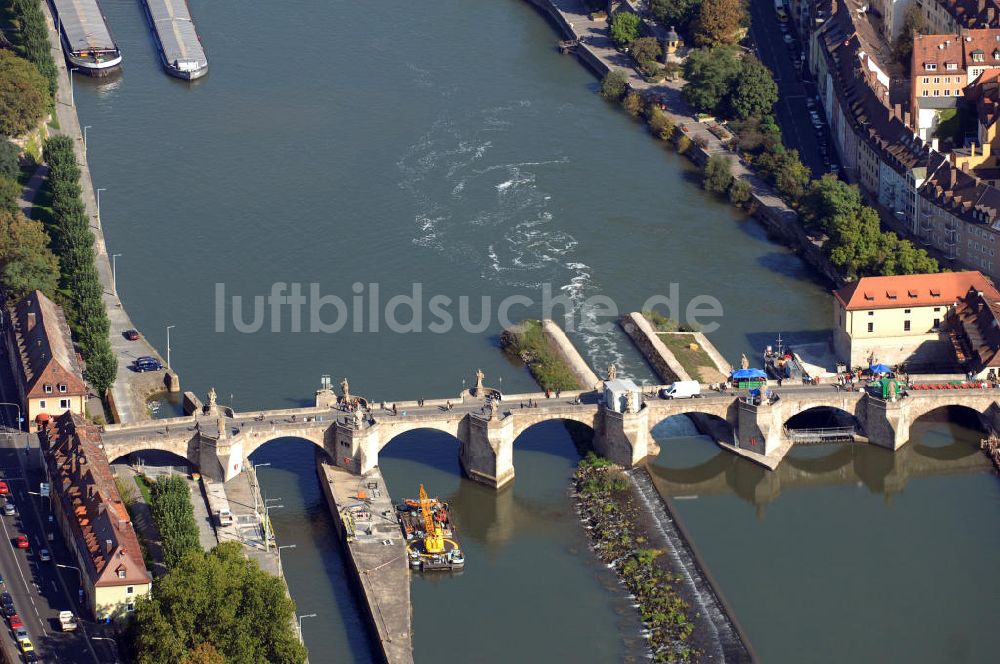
(871, 327)
(947, 79)
(926, 80)
(130, 589)
(937, 323)
(906, 311)
(978, 56)
(906, 326)
(48, 389)
(871, 313)
(930, 66)
(937, 309)
(937, 79)
(937, 93)
(62, 388)
(64, 403)
(121, 574)
(951, 66)
(947, 92)
(130, 607)
(41, 404)
(925, 93)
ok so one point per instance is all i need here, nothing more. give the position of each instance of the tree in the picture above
(10, 194)
(827, 198)
(755, 91)
(218, 598)
(24, 95)
(677, 13)
(26, 263)
(739, 192)
(205, 653)
(633, 104)
(174, 515)
(645, 51)
(614, 85)
(792, 177)
(720, 22)
(624, 28)
(913, 21)
(660, 124)
(710, 74)
(718, 173)
(10, 166)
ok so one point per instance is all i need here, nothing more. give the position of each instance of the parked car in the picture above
(4, 489)
(25, 644)
(21, 541)
(15, 621)
(788, 40)
(131, 335)
(7, 603)
(146, 363)
(44, 555)
(9, 509)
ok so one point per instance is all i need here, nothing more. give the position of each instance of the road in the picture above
(39, 589)
(791, 110)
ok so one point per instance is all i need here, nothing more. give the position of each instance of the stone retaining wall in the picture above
(653, 349)
(569, 355)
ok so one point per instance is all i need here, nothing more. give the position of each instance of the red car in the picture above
(131, 335)
(22, 541)
(4, 489)
(15, 621)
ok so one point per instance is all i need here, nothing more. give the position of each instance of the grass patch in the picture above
(529, 344)
(662, 323)
(144, 488)
(691, 360)
(953, 125)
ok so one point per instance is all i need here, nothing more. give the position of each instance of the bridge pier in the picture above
(760, 428)
(487, 452)
(624, 438)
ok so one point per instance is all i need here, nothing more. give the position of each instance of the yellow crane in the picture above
(433, 536)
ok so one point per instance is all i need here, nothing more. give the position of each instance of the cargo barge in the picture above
(177, 40)
(431, 543)
(86, 39)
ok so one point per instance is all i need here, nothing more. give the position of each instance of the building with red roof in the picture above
(899, 319)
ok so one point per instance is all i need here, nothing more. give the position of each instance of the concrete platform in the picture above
(377, 551)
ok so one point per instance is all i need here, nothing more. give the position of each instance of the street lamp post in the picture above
(113, 642)
(114, 272)
(283, 546)
(99, 190)
(256, 487)
(307, 615)
(267, 521)
(168, 344)
(85, 136)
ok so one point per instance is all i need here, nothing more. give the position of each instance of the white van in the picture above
(225, 517)
(682, 389)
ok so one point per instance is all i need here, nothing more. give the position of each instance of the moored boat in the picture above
(177, 41)
(86, 39)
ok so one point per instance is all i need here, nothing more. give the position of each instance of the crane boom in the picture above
(425, 511)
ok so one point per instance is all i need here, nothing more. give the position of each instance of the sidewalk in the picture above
(130, 390)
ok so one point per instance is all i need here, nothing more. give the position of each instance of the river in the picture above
(449, 145)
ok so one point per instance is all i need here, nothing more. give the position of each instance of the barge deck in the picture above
(177, 40)
(86, 39)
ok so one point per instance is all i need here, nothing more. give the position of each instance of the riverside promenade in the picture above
(127, 398)
(597, 51)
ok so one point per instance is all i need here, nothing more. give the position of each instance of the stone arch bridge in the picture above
(217, 440)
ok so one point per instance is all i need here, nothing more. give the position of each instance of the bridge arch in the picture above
(581, 432)
(394, 429)
(693, 423)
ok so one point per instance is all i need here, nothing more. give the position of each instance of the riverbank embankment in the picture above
(595, 49)
(663, 362)
(550, 356)
(130, 391)
(364, 516)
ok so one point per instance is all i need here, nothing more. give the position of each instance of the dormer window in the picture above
(121, 574)
(62, 388)
(930, 66)
(996, 54)
(977, 56)
(951, 66)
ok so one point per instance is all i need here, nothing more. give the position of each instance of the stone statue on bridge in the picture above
(345, 387)
(744, 362)
(212, 405)
(358, 418)
(631, 402)
(491, 408)
(612, 371)
(480, 390)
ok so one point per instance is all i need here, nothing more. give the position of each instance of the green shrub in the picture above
(614, 85)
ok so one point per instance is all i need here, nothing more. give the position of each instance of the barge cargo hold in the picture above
(86, 39)
(177, 40)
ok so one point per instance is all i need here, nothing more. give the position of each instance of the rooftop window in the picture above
(930, 66)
